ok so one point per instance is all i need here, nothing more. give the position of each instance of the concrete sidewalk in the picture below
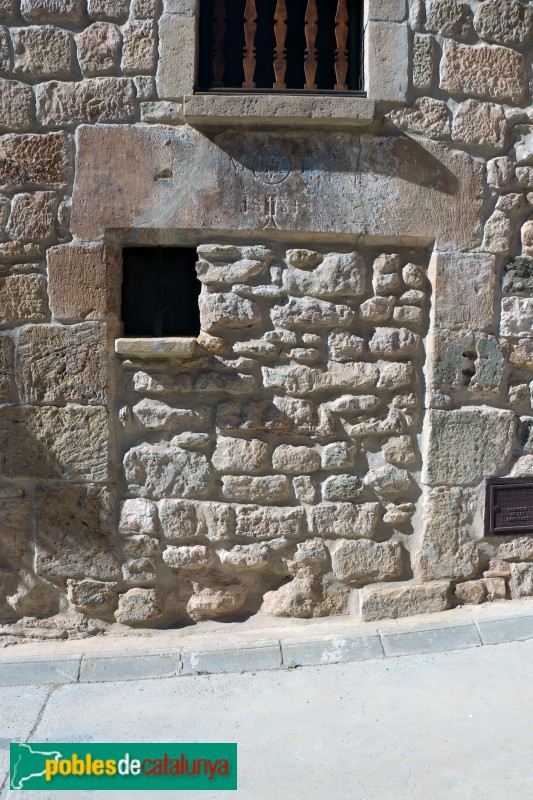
(451, 718)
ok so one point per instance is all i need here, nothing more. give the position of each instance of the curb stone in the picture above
(283, 653)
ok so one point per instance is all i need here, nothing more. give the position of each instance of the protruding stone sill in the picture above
(202, 110)
(158, 347)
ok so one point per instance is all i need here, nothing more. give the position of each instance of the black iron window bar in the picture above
(288, 46)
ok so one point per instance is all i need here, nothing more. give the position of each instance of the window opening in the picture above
(160, 292)
(299, 46)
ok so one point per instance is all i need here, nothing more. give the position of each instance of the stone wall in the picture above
(366, 355)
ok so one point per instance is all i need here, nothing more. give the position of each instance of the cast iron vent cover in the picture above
(160, 291)
(508, 506)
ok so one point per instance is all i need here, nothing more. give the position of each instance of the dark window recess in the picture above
(160, 292)
(281, 45)
(508, 506)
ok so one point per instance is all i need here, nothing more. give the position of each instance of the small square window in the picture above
(160, 292)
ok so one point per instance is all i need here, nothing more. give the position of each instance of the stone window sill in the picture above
(157, 347)
(203, 110)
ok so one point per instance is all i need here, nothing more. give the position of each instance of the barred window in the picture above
(288, 46)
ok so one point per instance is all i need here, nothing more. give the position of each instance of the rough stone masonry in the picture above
(365, 359)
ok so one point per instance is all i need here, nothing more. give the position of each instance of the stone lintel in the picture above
(158, 347)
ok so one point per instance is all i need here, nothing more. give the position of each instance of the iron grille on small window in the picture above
(281, 45)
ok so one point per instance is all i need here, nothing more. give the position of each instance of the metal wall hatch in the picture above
(508, 506)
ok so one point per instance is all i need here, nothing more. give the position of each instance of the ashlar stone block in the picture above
(70, 443)
(43, 51)
(33, 217)
(139, 50)
(464, 286)
(74, 534)
(34, 160)
(58, 364)
(381, 602)
(467, 444)
(495, 73)
(99, 49)
(63, 104)
(83, 281)
(16, 105)
(364, 561)
(22, 299)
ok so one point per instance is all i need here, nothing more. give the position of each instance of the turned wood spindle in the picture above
(250, 29)
(280, 53)
(341, 53)
(219, 30)
(311, 30)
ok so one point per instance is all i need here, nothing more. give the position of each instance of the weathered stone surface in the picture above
(33, 216)
(377, 309)
(395, 375)
(178, 519)
(504, 22)
(304, 489)
(108, 9)
(33, 597)
(301, 380)
(99, 49)
(364, 561)
(7, 355)
(517, 549)
(138, 607)
(479, 123)
(16, 105)
(69, 443)
(269, 523)
(58, 364)
(341, 488)
(210, 602)
(344, 520)
(337, 455)
(526, 237)
(228, 274)
(83, 281)
(42, 51)
(464, 287)
(394, 342)
(245, 489)
(522, 354)
(423, 61)
(240, 455)
(467, 361)
(446, 549)
(337, 274)
(449, 18)
(468, 444)
(158, 416)
(304, 312)
(518, 276)
(34, 160)
(16, 526)
(517, 317)
(471, 592)
(426, 116)
(138, 516)
(159, 471)
(403, 601)
(62, 104)
(498, 233)
(22, 299)
(400, 450)
(521, 580)
(73, 533)
(52, 10)
(388, 481)
(186, 558)
(295, 459)
(90, 595)
(345, 346)
(222, 311)
(250, 556)
(6, 61)
(139, 51)
(492, 72)
(305, 596)
(398, 513)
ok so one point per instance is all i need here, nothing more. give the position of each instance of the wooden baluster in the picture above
(219, 29)
(280, 53)
(311, 30)
(341, 53)
(250, 29)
